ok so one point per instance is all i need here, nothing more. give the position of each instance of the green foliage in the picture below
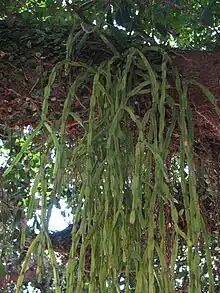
(117, 172)
(122, 181)
(2, 269)
(187, 25)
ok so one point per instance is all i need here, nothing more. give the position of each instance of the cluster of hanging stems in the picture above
(121, 181)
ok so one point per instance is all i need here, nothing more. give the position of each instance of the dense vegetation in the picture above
(95, 113)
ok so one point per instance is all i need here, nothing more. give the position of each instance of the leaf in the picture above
(23, 149)
(2, 269)
(123, 16)
(87, 5)
(36, 94)
(161, 28)
(207, 16)
(119, 36)
(78, 47)
(78, 119)
(109, 17)
(49, 2)
(209, 95)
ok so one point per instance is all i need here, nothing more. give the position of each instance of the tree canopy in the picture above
(185, 24)
(113, 108)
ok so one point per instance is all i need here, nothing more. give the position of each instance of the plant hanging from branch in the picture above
(124, 185)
